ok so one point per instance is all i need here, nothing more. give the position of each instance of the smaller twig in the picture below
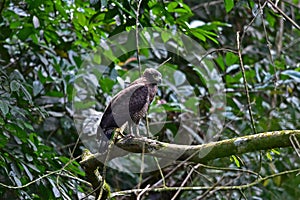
(295, 144)
(142, 192)
(284, 15)
(71, 176)
(279, 35)
(90, 193)
(266, 34)
(40, 178)
(251, 22)
(58, 186)
(211, 189)
(292, 43)
(243, 194)
(111, 143)
(31, 182)
(196, 188)
(230, 169)
(164, 62)
(184, 181)
(245, 81)
(137, 36)
(175, 168)
(216, 50)
(161, 172)
(142, 167)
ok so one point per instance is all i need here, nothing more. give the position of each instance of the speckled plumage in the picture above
(130, 104)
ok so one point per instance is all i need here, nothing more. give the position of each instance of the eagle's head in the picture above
(152, 76)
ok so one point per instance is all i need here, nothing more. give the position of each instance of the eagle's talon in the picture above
(130, 136)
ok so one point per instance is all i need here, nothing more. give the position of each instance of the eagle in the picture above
(130, 104)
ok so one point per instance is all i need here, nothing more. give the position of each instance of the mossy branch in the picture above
(200, 153)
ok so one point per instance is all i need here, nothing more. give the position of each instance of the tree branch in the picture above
(199, 153)
(196, 188)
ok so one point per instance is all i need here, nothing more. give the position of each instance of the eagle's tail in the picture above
(103, 138)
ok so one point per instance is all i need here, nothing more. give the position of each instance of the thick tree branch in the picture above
(198, 153)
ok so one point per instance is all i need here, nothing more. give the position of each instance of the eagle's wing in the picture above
(138, 103)
(125, 106)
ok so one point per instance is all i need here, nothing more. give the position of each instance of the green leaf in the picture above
(192, 104)
(181, 10)
(84, 105)
(229, 4)
(35, 39)
(171, 6)
(2, 122)
(4, 107)
(269, 156)
(106, 84)
(14, 86)
(220, 62)
(171, 107)
(275, 151)
(3, 141)
(17, 131)
(236, 160)
(97, 58)
(231, 58)
(81, 18)
(24, 33)
(199, 35)
(26, 93)
(37, 87)
(15, 24)
(204, 34)
(166, 36)
(72, 166)
(27, 172)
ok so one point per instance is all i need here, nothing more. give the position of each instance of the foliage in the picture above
(43, 45)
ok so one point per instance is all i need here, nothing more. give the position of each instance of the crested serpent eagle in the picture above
(130, 104)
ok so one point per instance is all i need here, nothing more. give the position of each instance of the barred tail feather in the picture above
(103, 138)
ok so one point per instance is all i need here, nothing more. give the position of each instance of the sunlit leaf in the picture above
(36, 22)
(236, 160)
(172, 5)
(229, 4)
(269, 156)
(293, 74)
